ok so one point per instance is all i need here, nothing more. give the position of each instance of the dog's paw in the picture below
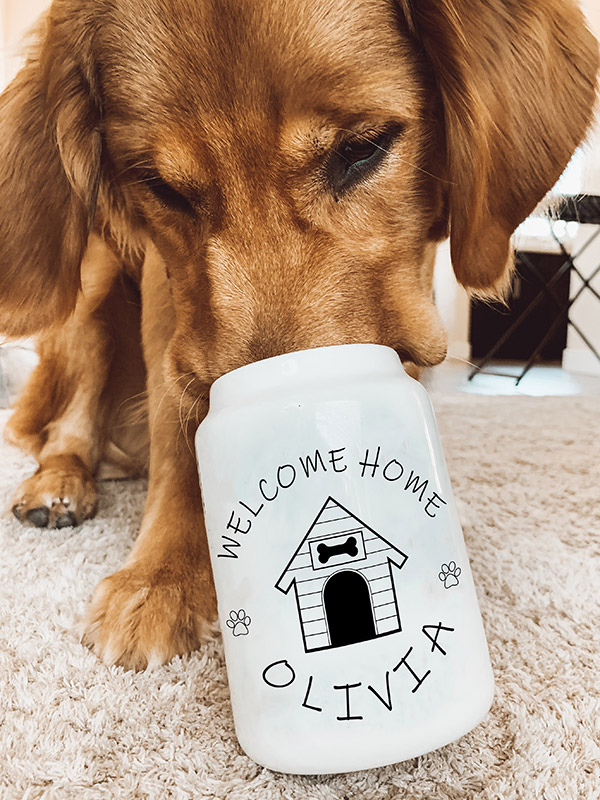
(142, 617)
(62, 493)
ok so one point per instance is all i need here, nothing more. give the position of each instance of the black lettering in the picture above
(309, 464)
(251, 510)
(264, 494)
(373, 465)
(431, 501)
(228, 547)
(404, 662)
(393, 477)
(434, 639)
(347, 687)
(280, 470)
(413, 482)
(289, 679)
(333, 459)
(237, 526)
(305, 702)
(388, 703)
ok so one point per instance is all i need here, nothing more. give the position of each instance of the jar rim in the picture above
(305, 367)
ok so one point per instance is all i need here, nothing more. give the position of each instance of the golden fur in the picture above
(183, 191)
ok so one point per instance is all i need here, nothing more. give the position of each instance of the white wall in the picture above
(2, 40)
(16, 19)
(453, 304)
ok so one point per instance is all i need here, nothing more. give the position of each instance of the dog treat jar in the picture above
(350, 622)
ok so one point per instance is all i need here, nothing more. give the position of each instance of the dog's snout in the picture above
(268, 344)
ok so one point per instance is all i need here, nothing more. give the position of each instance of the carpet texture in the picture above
(526, 473)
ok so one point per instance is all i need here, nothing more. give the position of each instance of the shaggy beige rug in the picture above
(526, 473)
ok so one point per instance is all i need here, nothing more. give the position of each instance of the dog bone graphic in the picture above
(326, 551)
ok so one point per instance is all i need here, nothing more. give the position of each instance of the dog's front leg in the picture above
(162, 602)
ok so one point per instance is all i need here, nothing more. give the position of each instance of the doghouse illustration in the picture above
(342, 577)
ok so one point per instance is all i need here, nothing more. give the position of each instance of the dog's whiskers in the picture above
(169, 388)
(385, 150)
(145, 163)
(463, 360)
(181, 422)
(195, 408)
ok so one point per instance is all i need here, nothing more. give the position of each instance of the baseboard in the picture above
(580, 361)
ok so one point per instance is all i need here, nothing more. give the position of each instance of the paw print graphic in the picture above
(449, 574)
(239, 622)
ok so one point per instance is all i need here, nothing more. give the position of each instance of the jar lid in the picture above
(305, 367)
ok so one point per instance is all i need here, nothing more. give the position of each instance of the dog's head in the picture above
(294, 164)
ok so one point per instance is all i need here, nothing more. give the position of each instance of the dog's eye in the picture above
(354, 159)
(355, 152)
(166, 194)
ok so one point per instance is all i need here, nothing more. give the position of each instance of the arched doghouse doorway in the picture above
(348, 609)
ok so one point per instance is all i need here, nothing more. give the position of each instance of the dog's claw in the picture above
(66, 520)
(56, 498)
(39, 516)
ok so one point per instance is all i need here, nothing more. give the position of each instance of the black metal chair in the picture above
(584, 209)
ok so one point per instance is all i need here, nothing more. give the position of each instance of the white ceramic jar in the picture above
(351, 627)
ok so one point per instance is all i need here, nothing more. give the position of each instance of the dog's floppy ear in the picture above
(517, 85)
(49, 173)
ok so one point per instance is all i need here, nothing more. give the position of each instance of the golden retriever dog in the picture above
(187, 186)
